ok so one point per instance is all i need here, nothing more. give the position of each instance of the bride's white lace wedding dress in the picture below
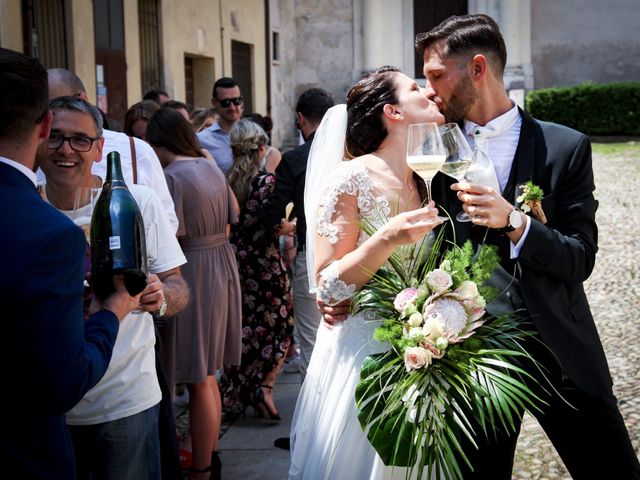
(327, 440)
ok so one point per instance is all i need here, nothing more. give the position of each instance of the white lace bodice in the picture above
(350, 178)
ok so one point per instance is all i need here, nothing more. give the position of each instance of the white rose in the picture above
(433, 327)
(439, 280)
(416, 357)
(415, 320)
(467, 290)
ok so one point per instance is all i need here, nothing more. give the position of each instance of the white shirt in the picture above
(130, 384)
(21, 168)
(148, 166)
(502, 150)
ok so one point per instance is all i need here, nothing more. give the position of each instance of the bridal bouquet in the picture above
(452, 372)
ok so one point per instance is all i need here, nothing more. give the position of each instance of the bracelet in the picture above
(290, 248)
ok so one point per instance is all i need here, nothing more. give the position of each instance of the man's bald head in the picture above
(63, 83)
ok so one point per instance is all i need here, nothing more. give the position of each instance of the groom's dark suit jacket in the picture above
(49, 357)
(557, 257)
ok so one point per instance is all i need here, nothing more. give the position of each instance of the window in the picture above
(45, 35)
(275, 46)
(150, 52)
(241, 64)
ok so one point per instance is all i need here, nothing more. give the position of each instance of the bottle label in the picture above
(114, 243)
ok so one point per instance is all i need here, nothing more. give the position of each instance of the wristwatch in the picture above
(162, 310)
(514, 221)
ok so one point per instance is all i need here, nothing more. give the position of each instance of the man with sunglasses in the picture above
(48, 352)
(228, 103)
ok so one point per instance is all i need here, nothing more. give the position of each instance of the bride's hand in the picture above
(410, 227)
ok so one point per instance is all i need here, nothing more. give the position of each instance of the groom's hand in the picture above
(331, 314)
(485, 206)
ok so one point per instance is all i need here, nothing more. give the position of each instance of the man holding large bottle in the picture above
(115, 426)
(47, 352)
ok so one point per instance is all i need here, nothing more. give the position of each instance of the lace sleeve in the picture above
(346, 197)
(332, 289)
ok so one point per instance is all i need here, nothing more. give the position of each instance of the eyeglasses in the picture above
(77, 143)
(237, 101)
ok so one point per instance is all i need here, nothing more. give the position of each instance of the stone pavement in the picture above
(247, 450)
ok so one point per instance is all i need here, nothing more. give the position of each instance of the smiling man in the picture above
(114, 428)
(228, 103)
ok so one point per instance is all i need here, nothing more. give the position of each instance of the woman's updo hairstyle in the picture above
(365, 101)
(245, 138)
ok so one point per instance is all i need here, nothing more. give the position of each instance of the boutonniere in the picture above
(531, 201)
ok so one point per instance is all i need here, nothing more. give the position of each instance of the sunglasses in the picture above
(237, 101)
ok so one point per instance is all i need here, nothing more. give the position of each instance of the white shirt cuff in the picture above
(515, 248)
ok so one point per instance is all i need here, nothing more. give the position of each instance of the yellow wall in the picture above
(249, 27)
(81, 44)
(188, 28)
(132, 52)
(11, 25)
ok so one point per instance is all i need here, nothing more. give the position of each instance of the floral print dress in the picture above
(267, 313)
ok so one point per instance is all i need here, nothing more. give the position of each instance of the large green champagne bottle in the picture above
(117, 236)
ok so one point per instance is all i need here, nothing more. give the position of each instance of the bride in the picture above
(327, 441)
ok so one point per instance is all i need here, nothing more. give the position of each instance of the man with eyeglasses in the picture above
(48, 353)
(114, 427)
(145, 164)
(228, 103)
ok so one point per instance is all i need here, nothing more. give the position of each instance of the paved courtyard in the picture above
(614, 294)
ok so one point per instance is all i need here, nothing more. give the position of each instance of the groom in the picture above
(542, 265)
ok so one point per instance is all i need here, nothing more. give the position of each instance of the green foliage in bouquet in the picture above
(452, 372)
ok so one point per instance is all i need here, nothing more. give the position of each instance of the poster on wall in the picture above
(101, 90)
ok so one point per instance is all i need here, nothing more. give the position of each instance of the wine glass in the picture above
(425, 152)
(83, 205)
(459, 157)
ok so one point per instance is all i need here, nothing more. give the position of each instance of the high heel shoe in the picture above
(260, 407)
(215, 468)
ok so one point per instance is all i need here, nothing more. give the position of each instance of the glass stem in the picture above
(427, 182)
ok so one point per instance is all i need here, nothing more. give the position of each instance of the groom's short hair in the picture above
(467, 35)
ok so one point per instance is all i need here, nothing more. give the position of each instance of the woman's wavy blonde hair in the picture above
(245, 138)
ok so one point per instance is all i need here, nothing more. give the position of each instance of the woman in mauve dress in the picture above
(205, 336)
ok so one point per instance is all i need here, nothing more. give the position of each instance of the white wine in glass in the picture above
(459, 157)
(425, 152)
(83, 205)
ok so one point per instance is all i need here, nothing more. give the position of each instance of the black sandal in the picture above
(260, 408)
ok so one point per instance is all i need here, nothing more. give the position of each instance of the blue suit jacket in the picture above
(49, 357)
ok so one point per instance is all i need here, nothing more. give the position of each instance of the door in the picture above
(110, 57)
(428, 14)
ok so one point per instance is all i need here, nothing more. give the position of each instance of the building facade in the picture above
(122, 48)
(276, 49)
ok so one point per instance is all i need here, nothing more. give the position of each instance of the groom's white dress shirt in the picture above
(501, 148)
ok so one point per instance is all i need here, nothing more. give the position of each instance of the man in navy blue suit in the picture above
(48, 354)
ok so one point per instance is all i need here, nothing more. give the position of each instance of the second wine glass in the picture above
(459, 157)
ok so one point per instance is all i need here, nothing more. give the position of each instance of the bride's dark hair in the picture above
(365, 101)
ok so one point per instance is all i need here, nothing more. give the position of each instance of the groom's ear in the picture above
(392, 112)
(478, 66)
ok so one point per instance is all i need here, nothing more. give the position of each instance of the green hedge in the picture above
(591, 108)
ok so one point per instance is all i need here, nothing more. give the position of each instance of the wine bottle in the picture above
(117, 236)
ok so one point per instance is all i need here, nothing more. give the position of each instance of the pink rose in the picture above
(439, 280)
(416, 357)
(404, 298)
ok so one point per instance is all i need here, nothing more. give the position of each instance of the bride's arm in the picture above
(344, 267)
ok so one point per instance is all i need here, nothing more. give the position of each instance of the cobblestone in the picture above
(613, 291)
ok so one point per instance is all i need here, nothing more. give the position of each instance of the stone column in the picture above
(387, 34)
(514, 19)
